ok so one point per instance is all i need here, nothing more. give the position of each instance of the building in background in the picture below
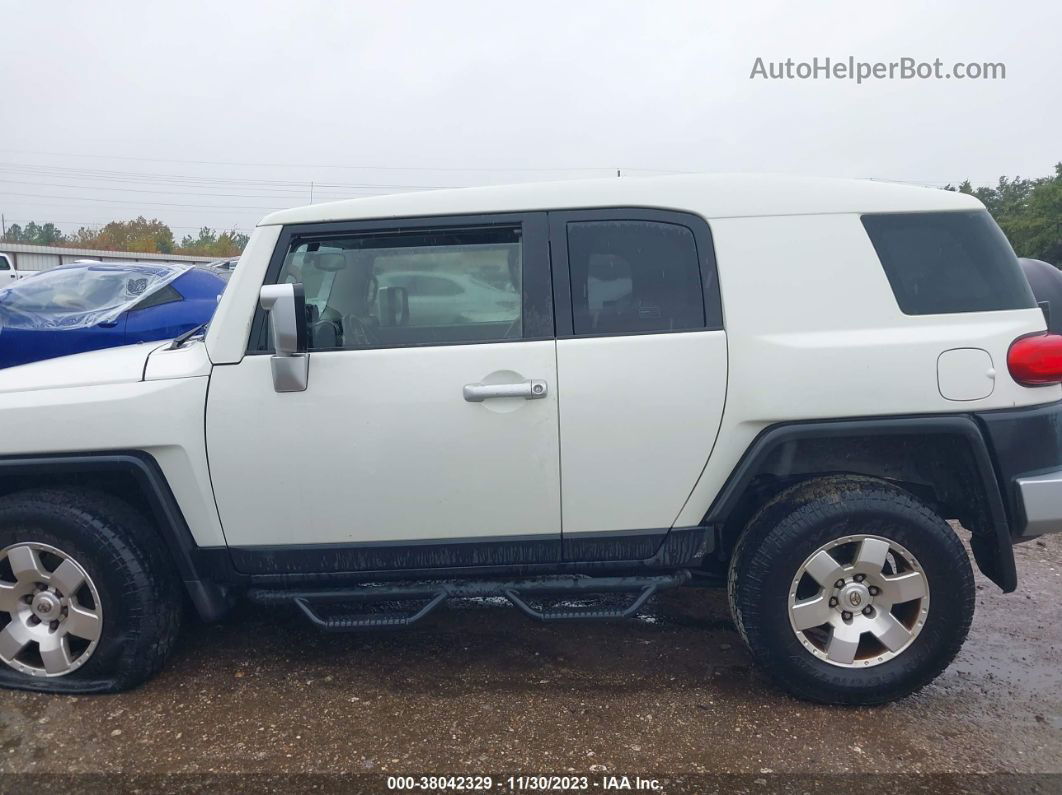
(26, 258)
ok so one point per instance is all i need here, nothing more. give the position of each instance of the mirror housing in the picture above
(286, 306)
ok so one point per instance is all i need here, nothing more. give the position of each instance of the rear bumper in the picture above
(1026, 447)
(1041, 504)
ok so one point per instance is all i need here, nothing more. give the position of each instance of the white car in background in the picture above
(223, 267)
(437, 299)
(8, 273)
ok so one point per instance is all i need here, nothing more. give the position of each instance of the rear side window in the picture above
(634, 276)
(167, 295)
(941, 263)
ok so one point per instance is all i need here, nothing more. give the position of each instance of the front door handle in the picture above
(528, 390)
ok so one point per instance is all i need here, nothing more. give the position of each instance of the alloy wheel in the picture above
(53, 611)
(859, 601)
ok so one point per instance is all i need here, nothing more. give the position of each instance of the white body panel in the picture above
(123, 365)
(163, 418)
(639, 416)
(230, 327)
(814, 332)
(188, 361)
(382, 446)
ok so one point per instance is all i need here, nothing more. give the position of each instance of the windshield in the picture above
(81, 296)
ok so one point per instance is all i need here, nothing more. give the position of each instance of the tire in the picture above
(767, 597)
(126, 581)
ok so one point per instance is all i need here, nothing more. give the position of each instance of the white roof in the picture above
(711, 196)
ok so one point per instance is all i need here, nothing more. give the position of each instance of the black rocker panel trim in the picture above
(627, 545)
(369, 556)
(994, 554)
(500, 553)
(681, 548)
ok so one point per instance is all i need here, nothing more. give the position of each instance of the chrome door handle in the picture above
(528, 390)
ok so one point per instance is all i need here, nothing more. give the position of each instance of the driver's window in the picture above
(410, 288)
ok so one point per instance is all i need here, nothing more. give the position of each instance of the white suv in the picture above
(790, 384)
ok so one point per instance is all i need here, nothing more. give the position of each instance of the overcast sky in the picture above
(217, 112)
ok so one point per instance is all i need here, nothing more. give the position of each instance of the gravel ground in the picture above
(480, 689)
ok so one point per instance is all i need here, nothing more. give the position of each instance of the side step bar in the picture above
(435, 593)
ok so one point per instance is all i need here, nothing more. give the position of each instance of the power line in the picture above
(140, 190)
(137, 204)
(104, 223)
(107, 175)
(493, 169)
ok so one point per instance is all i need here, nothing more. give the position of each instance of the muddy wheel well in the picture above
(939, 469)
(121, 485)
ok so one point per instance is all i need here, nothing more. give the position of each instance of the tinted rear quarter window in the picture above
(948, 262)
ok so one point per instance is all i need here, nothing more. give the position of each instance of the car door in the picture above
(416, 444)
(642, 373)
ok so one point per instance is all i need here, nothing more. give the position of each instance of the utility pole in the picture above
(3, 224)
(311, 191)
(617, 172)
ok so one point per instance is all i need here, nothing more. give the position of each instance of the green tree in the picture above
(1029, 211)
(49, 235)
(44, 235)
(13, 234)
(208, 243)
(138, 234)
(204, 240)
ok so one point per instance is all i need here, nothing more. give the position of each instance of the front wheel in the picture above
(851, 591)
(88, 600)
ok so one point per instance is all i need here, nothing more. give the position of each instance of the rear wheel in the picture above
(850, 590)
(88, 602)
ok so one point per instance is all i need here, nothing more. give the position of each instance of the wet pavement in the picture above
(481, 689)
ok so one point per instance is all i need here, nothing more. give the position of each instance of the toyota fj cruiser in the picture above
(537, 391)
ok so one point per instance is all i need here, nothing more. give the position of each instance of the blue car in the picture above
(88, 306)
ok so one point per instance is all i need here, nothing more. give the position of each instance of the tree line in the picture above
(138, 234)
(1029, 211)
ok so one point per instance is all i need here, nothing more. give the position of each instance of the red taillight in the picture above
(1036, 360)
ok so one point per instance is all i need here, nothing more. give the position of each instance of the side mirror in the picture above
(286, 305)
